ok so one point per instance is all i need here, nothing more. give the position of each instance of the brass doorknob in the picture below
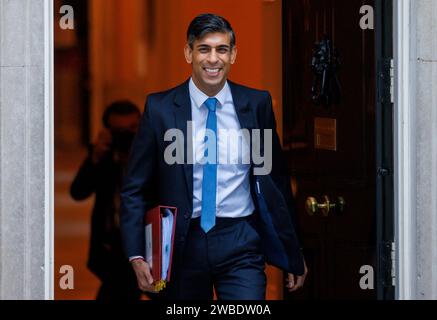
(313, 207)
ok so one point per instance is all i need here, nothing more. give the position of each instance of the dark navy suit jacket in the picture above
(151, 181)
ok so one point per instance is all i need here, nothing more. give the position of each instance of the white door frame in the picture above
(49, 72)
(404, 178)
(404, 145)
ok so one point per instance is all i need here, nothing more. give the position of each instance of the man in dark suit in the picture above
(233, 215)
(101, 174)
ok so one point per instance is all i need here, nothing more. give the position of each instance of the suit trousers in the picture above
(227, 258)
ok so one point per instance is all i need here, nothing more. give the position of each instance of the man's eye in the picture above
(203, 50)
(223, 50)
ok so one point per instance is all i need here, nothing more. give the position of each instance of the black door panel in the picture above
(339, 244)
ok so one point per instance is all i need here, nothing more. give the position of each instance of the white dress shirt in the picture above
(233, 197)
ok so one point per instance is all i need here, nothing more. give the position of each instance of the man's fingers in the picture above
(294, 284)
(104, 139)
(144, 276)
(289, 282)
(145, 273)
(148, 275)
(145, 282)
(145, 286)
(299, 282)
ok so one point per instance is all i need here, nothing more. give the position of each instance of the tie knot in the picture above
(211, 104)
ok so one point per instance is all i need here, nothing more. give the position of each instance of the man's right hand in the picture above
(102, 145)
(144, 277)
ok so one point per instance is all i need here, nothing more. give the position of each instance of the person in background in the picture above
(101, 174)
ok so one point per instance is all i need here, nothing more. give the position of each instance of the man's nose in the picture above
(212, 57)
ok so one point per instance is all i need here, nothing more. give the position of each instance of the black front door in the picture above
(331, 138)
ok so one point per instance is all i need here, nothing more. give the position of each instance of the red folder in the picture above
(153, 233)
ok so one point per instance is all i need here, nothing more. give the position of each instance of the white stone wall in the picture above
(424, 53)
(22, 150)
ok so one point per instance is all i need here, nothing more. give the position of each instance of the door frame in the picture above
(404, 149)
(384, 149)
(49, 167)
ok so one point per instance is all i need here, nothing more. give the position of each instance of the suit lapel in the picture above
(241, 103)
(245, 114)
(182, 113)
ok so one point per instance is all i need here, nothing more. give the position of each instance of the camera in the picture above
(122, 140)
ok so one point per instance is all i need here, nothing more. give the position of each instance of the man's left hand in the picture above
(293, 282)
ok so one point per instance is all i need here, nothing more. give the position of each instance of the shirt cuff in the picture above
(135, 258)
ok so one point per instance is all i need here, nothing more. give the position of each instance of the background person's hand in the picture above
(293, 283)
(102, 145)
(144, 276)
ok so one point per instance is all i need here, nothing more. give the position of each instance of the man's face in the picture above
(124, 122)
(123, 129)
(211, 58)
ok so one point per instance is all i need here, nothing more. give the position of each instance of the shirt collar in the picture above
(199, 97)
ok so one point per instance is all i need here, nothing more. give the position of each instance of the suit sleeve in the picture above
(138, 179)
(83, 184)
(280, 173)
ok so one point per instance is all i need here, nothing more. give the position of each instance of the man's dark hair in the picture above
(208, 23)
(122, 107)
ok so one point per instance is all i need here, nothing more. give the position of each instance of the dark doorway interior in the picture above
(71, 77)
(333, 129)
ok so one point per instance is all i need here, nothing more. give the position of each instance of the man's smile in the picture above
(212, 72)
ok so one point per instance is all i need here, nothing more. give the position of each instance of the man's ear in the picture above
(188, 52)
(233, 55)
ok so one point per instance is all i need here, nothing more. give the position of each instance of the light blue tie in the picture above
(209, 182)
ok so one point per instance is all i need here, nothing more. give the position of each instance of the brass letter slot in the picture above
(325, 134)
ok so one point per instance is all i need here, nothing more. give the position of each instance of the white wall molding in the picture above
(415, 119)
(404, 141)
(49, 168)
(26, 149)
